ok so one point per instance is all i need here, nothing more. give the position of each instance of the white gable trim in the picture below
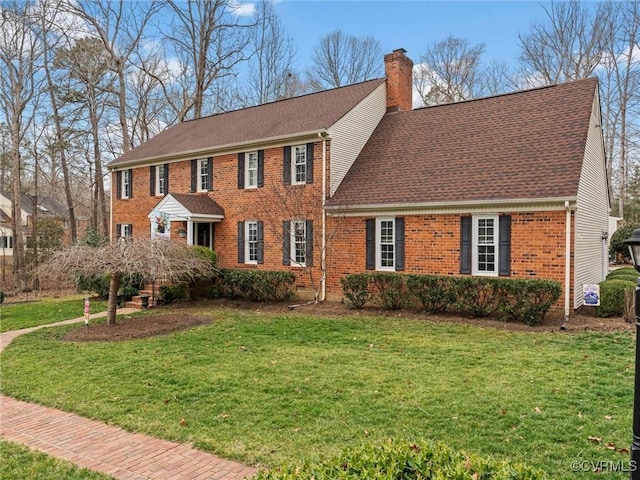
(178, 213)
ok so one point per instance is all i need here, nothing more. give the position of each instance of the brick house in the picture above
(351, 179)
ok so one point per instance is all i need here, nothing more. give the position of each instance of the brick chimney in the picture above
(398, 69)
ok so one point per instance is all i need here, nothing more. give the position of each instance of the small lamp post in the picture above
(634, 249)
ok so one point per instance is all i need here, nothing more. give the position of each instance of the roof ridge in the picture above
(280, 100)
(505, 94)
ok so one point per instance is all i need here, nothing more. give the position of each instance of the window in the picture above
(124, 231)
(251, 247)
(6, 241)
(203, 175)
(485, 245)
(251, 178)
(298, 242)
(126, 183)
(299, 164)
(251, 242)
(385, 244)
(161, 179)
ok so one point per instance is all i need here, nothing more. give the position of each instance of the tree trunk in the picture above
(112, 304)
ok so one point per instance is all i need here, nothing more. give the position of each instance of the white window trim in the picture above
(475, 245)
(294, 180)
(379, 244)
(126, 182)
(247, 225)
(125, 230)
(160, 191)
(292, 242)
(203, 163)
(247, 176)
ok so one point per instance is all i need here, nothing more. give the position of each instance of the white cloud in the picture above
(243, 9)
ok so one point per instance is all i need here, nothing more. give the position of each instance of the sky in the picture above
(412, 25)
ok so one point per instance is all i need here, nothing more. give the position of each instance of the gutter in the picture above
(323, 249)
(567, 261)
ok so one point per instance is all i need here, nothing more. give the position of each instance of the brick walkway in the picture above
(104, 448)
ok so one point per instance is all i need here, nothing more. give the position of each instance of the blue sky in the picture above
(412, 25)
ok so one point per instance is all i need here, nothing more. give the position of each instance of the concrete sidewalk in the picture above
(104, 448)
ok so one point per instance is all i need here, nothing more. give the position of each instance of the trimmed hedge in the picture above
(612, 297)
(524, 300)
(257, 285)
(406, 460)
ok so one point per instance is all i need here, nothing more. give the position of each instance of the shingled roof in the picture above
(307, 113)
(198, 203)
(524, 145)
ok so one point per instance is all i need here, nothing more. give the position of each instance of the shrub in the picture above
(529, 300)
(390, 290)
(206, 253)
(612, 297)
(477, 296)
(433, 292)
(402, 459)
(357, 289)
(625, 273)
(173, 293)
(617, 247)
(257, 285)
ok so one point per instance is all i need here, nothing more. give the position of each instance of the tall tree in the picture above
(271, 65)
(451, 70)
(209, 39)
(339, 59)
(569, 45)
(19, 60)
(87, 63)
(120, 25)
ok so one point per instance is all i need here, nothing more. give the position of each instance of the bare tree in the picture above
(569, 46)
(340, 59)
(451, 71)
(19, 56)
(209, 40)
(145, 258)
(271, 65)
(120, 25)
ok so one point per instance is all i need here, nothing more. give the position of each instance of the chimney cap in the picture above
(400, 50)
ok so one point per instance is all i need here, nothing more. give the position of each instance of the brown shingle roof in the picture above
(198, 203)
(306, 113)
(524, 145)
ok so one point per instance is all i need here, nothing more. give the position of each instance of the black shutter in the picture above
(240, 242)
(241, 170)
(371, 243)
(286, 166)
(152, 180)
(260, 168)
(504, 245)
(166, 178)
(130, 183)
(309, 163)
(118, 231)
(194, 176)
(309, 243)
(119, 184)
(210, 173)
(260, 242)
(131, 230)
(286, 242)
(399, 246)
(465, 244)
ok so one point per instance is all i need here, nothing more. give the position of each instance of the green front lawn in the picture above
(267, 388)
(15, 316)
(19, 462)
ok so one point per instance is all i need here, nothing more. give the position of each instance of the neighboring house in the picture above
(352, 178)
(47, 207)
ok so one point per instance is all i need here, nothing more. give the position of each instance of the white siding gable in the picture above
(351, 132)
(592, 212)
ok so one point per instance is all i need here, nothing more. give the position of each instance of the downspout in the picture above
(567, 261)
(111, 208)
(323, 248)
